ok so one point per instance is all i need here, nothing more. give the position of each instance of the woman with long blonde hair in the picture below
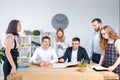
(60, 42)
(110, 46)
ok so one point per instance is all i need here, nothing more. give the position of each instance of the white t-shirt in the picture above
(60, 52)
(44, 55)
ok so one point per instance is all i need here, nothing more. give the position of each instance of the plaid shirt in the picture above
(111, 56)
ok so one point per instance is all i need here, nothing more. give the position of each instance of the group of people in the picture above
(46, 54)
(105, 48)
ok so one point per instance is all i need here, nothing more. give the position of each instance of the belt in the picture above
(95, 53)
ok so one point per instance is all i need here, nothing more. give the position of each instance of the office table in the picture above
(72, 73)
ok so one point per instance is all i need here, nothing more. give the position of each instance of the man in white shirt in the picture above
(45, 54)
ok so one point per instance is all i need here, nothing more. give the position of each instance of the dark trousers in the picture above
(96, 57)
(6, 66)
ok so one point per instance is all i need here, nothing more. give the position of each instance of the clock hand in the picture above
(62, 20)
(57, 20)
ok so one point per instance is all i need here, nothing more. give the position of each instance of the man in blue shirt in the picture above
(95, 52)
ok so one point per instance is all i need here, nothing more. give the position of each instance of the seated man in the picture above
(75, 53)
(45, 54)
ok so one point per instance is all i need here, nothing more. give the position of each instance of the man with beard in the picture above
(95, 52)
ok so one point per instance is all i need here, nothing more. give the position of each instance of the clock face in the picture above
(60, 21)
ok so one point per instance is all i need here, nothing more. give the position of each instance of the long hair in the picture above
(12, 27)
(61, 39)
(112, 35)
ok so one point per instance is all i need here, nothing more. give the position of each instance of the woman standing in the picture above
(60, 43)
(110, 46)
(13, 44)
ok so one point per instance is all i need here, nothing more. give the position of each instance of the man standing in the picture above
(95, 52)
(75, 53)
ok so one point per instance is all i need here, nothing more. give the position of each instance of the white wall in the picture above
(37, 14)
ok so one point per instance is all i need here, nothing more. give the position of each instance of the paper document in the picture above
(98, 68)
(64, 65)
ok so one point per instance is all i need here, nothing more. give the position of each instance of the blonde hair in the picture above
(112, 35)
(61, 39)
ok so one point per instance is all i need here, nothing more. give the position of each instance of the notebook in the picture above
(65, 65)
(98, 68)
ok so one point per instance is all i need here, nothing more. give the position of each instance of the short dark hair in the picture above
(12, 27)
(97, 19)
(76, 39)
(45, 37)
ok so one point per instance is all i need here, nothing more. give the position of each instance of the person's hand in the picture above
(46, 63)
(59, 46)
(41, 64)
(61, 60)
(19, 47)
(13, 70)
(111, 68)
(91, 58)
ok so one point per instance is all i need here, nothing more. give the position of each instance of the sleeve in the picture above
(91, 53)
(34, 57)
(65, 56)
(66, 45)
(85, 55)
(54, 57)
(55, 45)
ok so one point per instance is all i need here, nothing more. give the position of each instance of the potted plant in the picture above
(2, 54)
(82, 65)
(36, 32)
(27, 32)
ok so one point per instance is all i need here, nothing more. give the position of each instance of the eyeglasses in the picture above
(103, 34)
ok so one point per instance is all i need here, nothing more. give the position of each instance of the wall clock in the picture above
(60, 21)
